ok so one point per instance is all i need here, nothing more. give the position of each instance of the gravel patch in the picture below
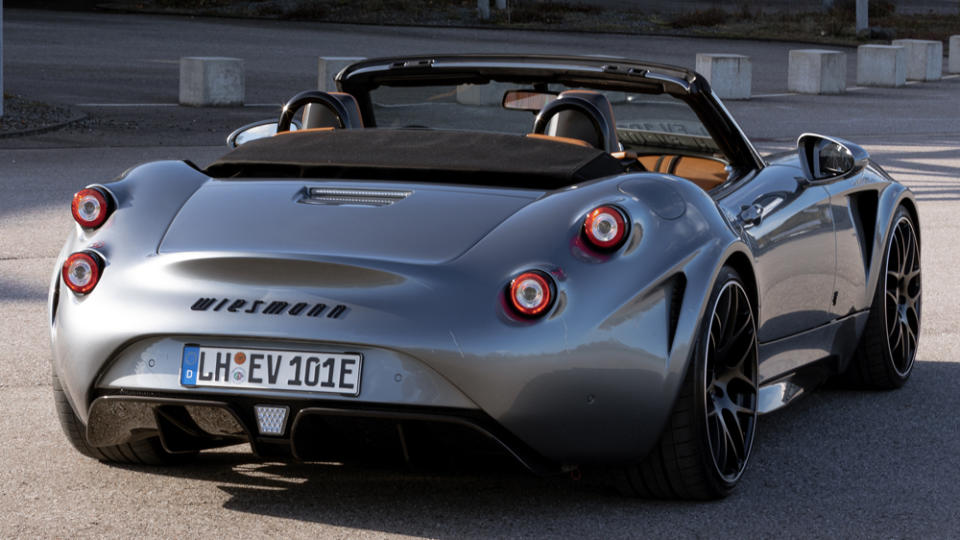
(22, 116)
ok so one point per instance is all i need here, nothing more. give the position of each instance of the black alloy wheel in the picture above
(888, 347)
(730, 375)
(706, 444)
(901, 307)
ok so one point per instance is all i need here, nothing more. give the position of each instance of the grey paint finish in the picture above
(594, 380)
(597, 342)
(568, 386)
(428, 226)
(793, 243)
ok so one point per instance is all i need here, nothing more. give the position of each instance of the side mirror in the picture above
(526, 100)
(828, 158)
(257, 130)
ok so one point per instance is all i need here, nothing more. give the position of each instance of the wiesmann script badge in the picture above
(262, 307)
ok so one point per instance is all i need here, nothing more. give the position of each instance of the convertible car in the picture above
(576, 261)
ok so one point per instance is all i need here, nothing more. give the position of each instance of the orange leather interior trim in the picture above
(704, 172)
(311, 130)
(566, 140)
(649, 162)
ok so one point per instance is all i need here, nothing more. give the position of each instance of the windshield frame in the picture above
(601, 73)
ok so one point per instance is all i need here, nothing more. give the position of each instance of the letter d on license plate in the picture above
(305, 371)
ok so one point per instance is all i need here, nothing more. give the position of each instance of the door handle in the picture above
(751, 215)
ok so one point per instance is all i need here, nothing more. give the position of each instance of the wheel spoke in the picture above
(738, 409)
(734, 438)
(734, 339)
(896, 248)
(904, 360)
(913, 294)
(714, 331)
(898, 330)
(892, 320)
(913, 314)
(718, 440)
(911, 338)
(905, 250)
(911, 250)
(739, 372)
(731, 385)
(727, 322)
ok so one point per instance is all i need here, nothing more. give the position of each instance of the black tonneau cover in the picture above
(418, 155)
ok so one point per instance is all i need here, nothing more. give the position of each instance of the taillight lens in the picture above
(605, 227)
(81, 271)
(531, 293)
(90, 207)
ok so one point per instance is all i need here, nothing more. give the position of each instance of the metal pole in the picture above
(1, 58)
(862, 19)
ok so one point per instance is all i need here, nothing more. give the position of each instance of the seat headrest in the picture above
(580, 114)
(342, 112)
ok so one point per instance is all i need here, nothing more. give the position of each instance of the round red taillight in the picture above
(531, 294)
(90, 207)
(605, 227)
(81, 271)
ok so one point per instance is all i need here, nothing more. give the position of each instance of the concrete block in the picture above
(924, 59)
(881, 65)
(211, 81)
(329, 66)
(729, 75)
(483, 9)
(953, 64)
(482, 94)
(817, 71)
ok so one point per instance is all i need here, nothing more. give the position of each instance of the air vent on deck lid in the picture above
(353, 196)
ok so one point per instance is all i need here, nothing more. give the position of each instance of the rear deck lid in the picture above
(413, 223)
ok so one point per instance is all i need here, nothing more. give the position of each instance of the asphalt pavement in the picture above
(838, 463)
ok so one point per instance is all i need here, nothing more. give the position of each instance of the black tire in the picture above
(146, 451)
(885, 357)
(698, 455)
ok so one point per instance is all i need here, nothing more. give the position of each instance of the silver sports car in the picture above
(577, 261)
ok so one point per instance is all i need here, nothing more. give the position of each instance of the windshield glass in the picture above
(645, 122)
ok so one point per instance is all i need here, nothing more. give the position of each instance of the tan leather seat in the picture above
(704, 172)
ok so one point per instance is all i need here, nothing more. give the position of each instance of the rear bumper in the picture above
(604, 404)
(388, 376)
(313, 430)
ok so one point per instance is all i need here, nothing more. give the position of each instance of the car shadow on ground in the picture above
(829, 455)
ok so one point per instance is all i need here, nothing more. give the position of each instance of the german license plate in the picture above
(329, 372)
